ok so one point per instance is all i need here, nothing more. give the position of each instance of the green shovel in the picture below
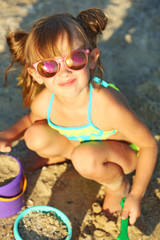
(124, 225)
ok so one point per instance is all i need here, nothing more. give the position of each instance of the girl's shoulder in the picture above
(109, 96)
(107, 93)
(112, 111)
(111, 105)
(41, 102)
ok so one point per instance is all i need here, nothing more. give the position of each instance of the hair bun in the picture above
(93, 21)
(16, 42)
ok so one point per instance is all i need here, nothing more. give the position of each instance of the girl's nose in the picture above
(63, 69)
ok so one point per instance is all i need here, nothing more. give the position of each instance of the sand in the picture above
(9, 169)
(42, 226)
(130, 55)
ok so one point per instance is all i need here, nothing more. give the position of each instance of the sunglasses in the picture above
(76, 60)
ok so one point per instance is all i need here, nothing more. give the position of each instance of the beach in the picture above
(130, 54)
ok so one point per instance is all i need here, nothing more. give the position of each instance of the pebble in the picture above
(157, 192)
(96, 208)
(99, 234)
(30, 203)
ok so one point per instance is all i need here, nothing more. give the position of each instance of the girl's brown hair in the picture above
(40, 42)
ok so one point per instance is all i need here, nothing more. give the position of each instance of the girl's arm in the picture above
(128, 124)
(38, 111)
(13, 133)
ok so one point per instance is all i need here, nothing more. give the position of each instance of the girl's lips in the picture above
(67, 84)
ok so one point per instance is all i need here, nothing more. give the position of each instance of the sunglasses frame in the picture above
(59, 60)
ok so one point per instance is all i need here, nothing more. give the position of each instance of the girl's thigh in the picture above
(101, 152)
(41, 137)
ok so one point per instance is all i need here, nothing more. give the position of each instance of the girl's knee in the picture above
(84, 161)
(33, 138)
(121, 154)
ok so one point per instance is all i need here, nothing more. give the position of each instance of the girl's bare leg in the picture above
(50, 146)
(35, 161)
(106, 162)
(114, 194)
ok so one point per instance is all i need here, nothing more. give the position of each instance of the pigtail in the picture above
(16, 42)
(29, 87)
(93, 21)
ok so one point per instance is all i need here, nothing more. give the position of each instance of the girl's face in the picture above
(67, 82)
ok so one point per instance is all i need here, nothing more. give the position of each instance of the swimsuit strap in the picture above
(96, 80)
(90, 105)
(104, 84)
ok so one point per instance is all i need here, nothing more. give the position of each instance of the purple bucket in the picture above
(14, 187)
(10, 206)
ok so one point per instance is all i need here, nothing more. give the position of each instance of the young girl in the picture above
(75, 115)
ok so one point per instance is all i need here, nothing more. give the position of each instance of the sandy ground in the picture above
(130, 55)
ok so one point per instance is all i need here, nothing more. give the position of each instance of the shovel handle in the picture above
(124, 224)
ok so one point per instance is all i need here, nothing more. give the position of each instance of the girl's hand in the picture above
(131, 208)
(5, 144)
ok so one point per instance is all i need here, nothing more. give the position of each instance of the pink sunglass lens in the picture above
(77, 60)
(47, 68)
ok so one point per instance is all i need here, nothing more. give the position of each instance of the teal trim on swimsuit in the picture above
(61, 127)
(83, 137)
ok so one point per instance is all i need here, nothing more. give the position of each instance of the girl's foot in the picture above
(34, 161)
(112, 199)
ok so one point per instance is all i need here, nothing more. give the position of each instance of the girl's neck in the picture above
(74, 102)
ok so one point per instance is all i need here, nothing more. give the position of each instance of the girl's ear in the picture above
(35, 75)
(93, 58)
